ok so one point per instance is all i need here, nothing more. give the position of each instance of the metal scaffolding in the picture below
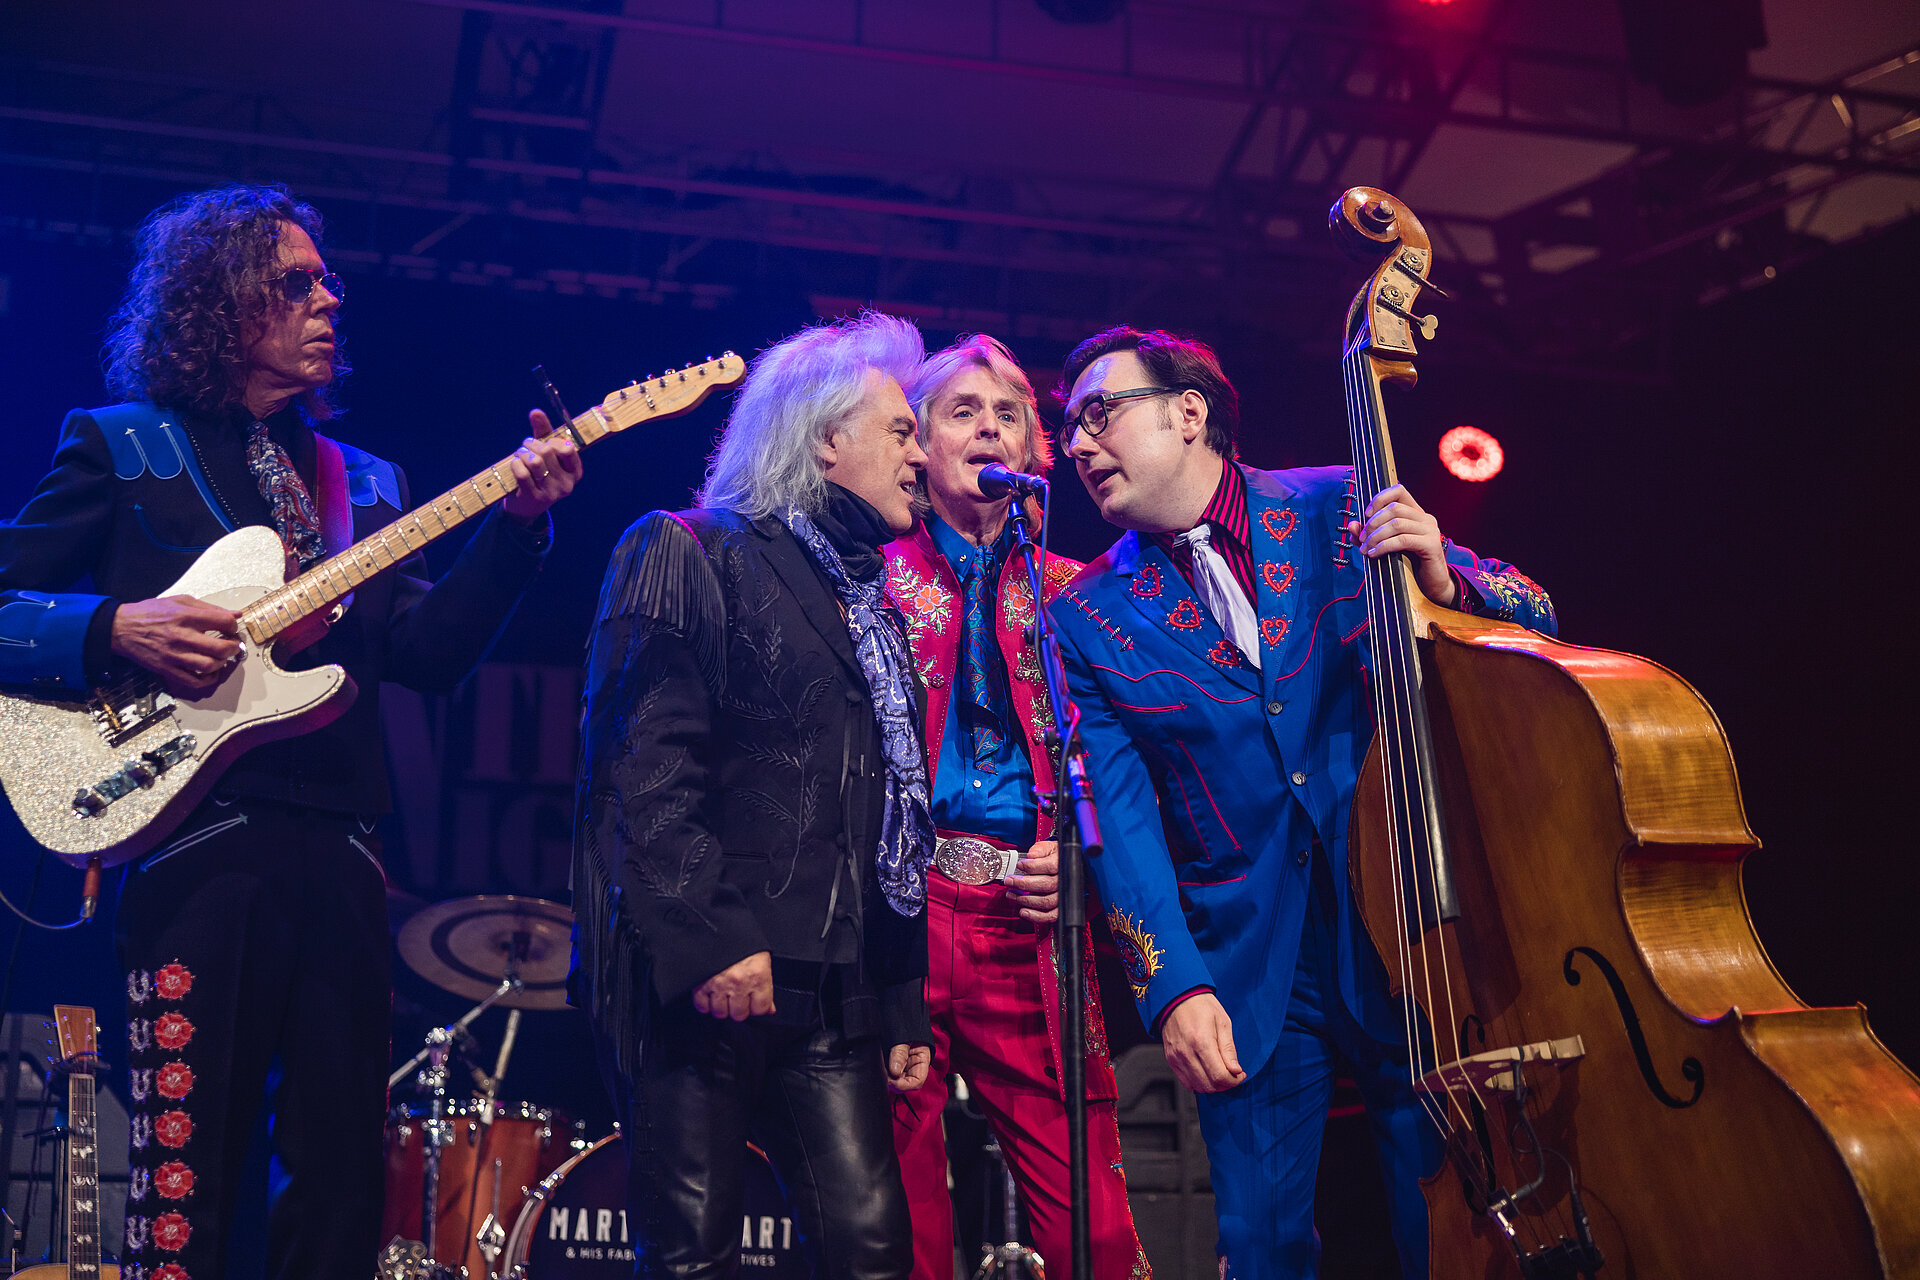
(521, 183)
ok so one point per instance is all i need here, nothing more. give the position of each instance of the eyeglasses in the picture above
(1094, 416)
(296, 286)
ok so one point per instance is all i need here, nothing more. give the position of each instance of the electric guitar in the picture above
(77, 1050)
(104, 779)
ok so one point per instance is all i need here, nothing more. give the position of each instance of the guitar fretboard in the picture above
(329, 582)
(83, 1179)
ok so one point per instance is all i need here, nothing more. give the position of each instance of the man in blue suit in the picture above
(1218, 655)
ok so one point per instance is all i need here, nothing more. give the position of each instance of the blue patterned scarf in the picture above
(291, 507)
(906, 826)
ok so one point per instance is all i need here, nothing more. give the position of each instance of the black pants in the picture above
(255, 945)
(813, 1100)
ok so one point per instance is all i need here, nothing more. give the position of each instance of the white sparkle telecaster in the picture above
(104, 780)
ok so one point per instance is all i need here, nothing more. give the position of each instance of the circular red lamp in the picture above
(1471, 454)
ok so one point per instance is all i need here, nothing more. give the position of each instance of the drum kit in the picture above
(481, 1189)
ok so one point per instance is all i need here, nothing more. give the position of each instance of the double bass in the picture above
(1546, 848)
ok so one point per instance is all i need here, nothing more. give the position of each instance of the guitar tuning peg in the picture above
(1428, 324)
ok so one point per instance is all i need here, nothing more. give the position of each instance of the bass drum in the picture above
(574, 1225)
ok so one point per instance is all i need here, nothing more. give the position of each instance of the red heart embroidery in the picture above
(1278, 523)
(1274, 630)
(1147, 581)
(1225, 654)
(1277, 576)
(1185, 615)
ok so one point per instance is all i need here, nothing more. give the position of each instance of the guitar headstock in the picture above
(670, 394)
(73, 1024)
(1368, 223)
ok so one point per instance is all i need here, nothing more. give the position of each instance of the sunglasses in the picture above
(297, 285)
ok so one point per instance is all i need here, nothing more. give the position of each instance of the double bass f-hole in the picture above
(1690, 1068)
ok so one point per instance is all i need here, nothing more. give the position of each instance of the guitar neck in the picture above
(330, 581)
(83, 1179)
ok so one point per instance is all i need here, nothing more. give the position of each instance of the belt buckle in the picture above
(968, 860)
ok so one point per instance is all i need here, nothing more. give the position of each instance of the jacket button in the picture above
(1299, 778)
(1301, 857)
(1274, 708)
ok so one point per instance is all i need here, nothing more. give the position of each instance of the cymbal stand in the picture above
(437, 1132)
(1010, 1260)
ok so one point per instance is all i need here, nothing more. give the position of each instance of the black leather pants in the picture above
(813, 1100)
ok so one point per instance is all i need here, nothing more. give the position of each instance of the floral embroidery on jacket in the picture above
(1508, 589)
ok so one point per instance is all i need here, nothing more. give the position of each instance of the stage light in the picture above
(1471, 454)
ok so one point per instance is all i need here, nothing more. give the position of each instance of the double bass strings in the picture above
(1368, 465)
(1403, 788)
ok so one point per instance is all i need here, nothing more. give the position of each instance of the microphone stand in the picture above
(1076, 828)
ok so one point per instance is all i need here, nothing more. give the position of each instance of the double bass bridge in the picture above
(1497, 1070)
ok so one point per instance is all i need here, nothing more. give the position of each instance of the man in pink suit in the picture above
(992, 894)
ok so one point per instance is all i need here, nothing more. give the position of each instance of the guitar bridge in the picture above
(122, 713)
(137, 772)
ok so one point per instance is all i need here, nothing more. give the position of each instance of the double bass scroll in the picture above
(1551, 871)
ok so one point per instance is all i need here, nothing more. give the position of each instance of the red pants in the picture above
(989, 1026)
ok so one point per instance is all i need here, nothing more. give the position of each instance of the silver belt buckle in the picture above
(968, 860)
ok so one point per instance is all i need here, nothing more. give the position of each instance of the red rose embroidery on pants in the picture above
(173, 1180)
(173, 981)
(171, 1271)
(171, 1232)
(175, 1080)
(172, 1031)
(173, 1129)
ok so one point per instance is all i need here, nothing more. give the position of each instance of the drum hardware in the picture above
(1010, 1260)
(506, 950)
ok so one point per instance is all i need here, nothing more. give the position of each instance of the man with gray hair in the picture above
(993, 893)
(753, 827)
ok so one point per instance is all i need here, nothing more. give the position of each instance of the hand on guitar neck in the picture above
(545, 467)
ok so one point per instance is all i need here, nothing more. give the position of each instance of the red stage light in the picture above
(1471, 454)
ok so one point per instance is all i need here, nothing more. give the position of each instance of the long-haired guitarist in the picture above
(254, 940)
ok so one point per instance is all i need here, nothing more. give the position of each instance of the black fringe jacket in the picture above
(731, 783)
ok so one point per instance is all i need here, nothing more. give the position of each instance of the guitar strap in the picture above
(331, 499)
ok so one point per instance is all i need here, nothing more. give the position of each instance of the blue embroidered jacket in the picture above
(1214, 780)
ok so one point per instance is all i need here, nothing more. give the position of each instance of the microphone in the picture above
(997, 481)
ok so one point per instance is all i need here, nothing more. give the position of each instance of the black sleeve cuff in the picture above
(903, 1014)
(96, 653)
(535, 537)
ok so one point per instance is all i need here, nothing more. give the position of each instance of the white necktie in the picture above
(1220, 592)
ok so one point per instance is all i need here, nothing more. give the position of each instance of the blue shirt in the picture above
(966, 797)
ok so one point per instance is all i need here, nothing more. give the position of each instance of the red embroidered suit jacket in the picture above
(923, 586)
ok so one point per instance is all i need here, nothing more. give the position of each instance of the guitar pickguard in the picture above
(137, 763)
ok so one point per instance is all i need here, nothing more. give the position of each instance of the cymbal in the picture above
(463, 945)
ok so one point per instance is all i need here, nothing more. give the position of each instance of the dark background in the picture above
(1748, 523)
